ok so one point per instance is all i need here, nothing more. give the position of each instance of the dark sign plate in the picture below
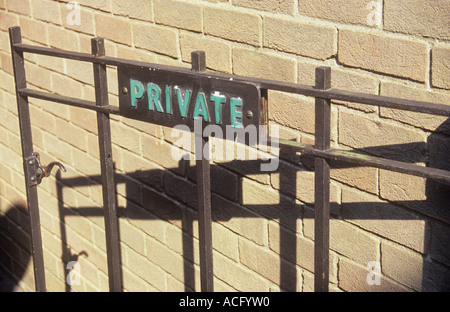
(170, 98)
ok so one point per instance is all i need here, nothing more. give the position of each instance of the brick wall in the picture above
(263, 230)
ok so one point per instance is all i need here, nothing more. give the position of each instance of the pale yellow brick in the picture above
(8, 19)
(140, 9)
(4, 42)
(425, 121)
(77, 244)
(135, 54)
(156, 38)
(353, 278)
(146, 270)
(440, 71)
(269, 202)
(363, 178)
(84, 119)
(7, 81)
(242, 278)
(159, 152)
(298, 182)
(66, 86)
(142, 126)
(38, 76)
(103, 5)
(42, 119)
(71, 134)
(385, 54)
(132, 236)
(85, 163)
(342, 79)
(400, 187)
(232, 25)
(284, 6)
(81, 71)
(178, 14)
(52, 63)
(346, 239)
(384, 219)
(33, 30)
(125, 137)
(54, 283)
(292, 110)
(381, 138)
(413, 269)
(170, 261)
(257, 64)
(341, 11)
(132, 282)
(46, 10)
(295, 37)
(56, 109)
(285, 242)
(225, 241)
(183, 243)
(240, 220)
(113, 28)
(19, 6)
(268, 264)
(417, 17)
(218, 53)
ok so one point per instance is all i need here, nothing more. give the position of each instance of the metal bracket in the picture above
(36, 172)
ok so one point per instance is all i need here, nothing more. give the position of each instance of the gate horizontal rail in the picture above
(321, 152)
(331, 94)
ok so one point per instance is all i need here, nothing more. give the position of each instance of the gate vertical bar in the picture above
(198, 60)
(107, 171)
(322, 184)
(27, 151)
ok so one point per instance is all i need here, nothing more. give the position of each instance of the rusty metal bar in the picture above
(198, 60)
(68, 101)
(439, 175)
(331, 94)
(107, 171)
(27, 153)
(322, 184)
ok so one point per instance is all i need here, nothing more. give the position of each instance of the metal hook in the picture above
(50, 166)
(40, 171)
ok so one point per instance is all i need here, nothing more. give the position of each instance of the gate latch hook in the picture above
(37, 172)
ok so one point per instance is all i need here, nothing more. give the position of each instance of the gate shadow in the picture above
(162, 194)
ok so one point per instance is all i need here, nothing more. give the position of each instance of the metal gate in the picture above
(322, 153)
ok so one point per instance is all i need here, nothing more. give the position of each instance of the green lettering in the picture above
(236, 112)
(200, 107)
(168, 99)
(136, 91)
(154, 94)
(218, 100)
(183, 104)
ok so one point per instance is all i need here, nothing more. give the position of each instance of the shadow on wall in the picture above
(161, 194)
(14, 247)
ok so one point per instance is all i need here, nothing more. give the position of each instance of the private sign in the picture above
(172, 96)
